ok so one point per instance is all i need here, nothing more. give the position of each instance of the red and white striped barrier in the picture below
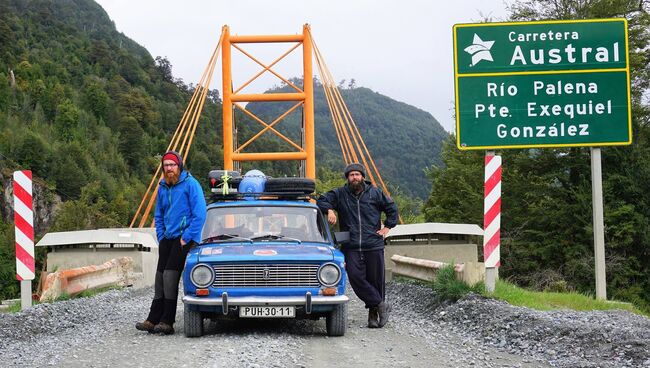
(492, 212)
(24, 221)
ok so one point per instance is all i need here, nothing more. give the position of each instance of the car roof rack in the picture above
(239, 196)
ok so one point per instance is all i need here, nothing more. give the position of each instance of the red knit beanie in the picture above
(171, 156)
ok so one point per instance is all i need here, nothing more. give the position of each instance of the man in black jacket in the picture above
(359, 205)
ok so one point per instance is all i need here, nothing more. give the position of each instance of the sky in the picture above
(401, 49)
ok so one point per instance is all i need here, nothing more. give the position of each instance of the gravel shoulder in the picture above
(479, 332)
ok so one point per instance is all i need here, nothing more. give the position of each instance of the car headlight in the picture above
(202, 275)
(329, 274)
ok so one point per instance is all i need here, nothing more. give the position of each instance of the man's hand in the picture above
(183, 242)
(331, 217)
(383, 231)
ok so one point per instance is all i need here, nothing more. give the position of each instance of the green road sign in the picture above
(542, 84)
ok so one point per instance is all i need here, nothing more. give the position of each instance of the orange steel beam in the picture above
(267, 97)
(304, 97)
(267, 68)
(228, 163)
(339, 134)
(330, 90)
(180, 132)
(185, 130)
(270, 156)
(267, 126)
(308, 87)
(267, 38)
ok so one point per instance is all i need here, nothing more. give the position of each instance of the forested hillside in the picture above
(546, 233)
(90, 111)
(402, 139)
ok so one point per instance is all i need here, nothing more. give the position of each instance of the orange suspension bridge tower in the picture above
(353, 148)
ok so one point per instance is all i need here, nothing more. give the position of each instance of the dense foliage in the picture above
(90, 111)
(547, 235)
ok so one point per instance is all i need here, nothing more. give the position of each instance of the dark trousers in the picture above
(366, 274)
(171, 260)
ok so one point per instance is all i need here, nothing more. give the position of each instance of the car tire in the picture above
(336, 321)
(193, 323)
(297, 185)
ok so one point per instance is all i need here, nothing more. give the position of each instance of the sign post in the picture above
(24, 223)
(543, 85)
(599, 223)
(492, 219)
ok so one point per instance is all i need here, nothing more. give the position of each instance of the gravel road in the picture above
(477, 332)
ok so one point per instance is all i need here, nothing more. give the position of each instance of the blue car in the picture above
(264, 255)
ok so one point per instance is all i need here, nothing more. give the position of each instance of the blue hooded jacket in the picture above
(180, 209)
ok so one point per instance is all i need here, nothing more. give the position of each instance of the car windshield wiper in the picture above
(225, 237)
(276, 237)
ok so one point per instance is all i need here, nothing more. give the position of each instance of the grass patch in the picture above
(449, 288)
(14, 308)
(552, 300)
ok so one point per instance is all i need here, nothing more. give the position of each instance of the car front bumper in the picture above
(307, 300)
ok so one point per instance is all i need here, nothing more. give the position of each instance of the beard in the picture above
(171, 177)
(356, 186)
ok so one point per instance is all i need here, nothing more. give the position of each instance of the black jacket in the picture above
(361, 215)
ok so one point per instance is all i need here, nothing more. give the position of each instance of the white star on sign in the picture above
(480, 50)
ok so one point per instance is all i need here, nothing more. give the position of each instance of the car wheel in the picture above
(193, 322)
(298, 185)
(337, 320)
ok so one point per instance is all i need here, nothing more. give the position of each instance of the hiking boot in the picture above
(373, 318)
(384, 311)
(145, 326)
(163, 328)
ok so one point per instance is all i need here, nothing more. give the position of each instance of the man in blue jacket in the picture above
(360, 205)
(179, 217)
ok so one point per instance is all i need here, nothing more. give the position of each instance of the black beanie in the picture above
(354, 167)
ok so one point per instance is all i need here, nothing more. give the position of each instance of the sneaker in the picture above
(384, 311)
(145, 326)
(373, 318)
(163, 328)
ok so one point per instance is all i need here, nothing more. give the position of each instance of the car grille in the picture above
(264, 275)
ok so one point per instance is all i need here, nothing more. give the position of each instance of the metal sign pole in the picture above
(599, 227)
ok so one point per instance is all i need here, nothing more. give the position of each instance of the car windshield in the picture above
(263, 223)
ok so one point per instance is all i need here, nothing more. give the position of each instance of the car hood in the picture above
(271, 251)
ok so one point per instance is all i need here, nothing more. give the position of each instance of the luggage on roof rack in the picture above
(254, 185)
(299, 185)
(217, 178)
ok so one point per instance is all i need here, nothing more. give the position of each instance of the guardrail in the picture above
(426, 270)
(116, 272)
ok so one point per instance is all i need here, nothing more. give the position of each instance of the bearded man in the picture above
(179, 217)
(360, 205)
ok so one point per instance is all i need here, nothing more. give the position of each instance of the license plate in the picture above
(267, 312)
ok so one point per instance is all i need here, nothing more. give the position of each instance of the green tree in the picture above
(67, 119)
(95, 99)
(132, 142)
(34, 153)
(69, 177)
(9, 287)
(546, 225)
(456, 194)
(5, 92)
